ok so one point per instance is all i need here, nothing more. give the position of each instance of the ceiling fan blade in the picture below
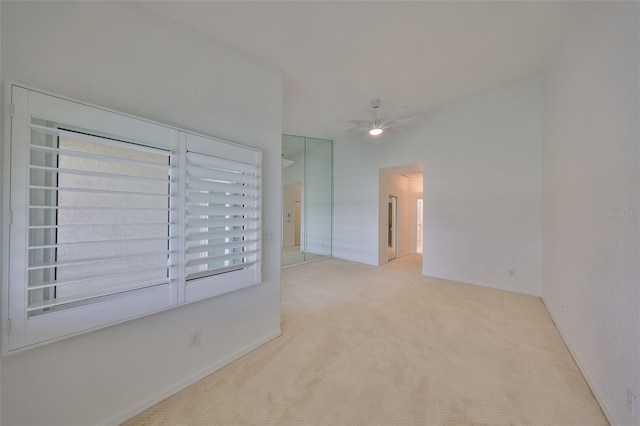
(402, 120)
(354, 130)
(397, 129)
(390, 124)
(362, 124)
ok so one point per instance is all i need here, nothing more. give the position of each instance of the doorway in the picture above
(399, 188)
(419, 226)
(392, 240)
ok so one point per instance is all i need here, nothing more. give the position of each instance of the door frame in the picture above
(392, 225)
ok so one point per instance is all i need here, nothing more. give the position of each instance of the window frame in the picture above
(21, 332)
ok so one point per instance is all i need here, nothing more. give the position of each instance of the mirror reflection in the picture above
(307, 193)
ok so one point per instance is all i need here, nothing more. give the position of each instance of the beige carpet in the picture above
(363, 345)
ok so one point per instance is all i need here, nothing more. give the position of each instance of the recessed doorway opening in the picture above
(399, 220)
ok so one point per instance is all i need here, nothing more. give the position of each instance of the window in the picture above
(114, 217)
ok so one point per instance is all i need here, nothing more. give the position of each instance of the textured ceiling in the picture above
(414, 56)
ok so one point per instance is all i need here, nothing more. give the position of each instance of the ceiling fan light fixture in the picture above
(375, 131)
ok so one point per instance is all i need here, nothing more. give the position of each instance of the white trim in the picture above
(305, 262)
(483, 284)
(348, 256)
(6, 213)
(605, 410)
(148, 402)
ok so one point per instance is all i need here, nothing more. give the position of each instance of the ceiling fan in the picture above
(376, 127)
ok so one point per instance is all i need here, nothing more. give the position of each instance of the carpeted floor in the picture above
(363, 345)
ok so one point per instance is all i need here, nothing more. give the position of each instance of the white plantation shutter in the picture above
(98, 219)
(222, 219)
(92, 236)
(223, 224)
(114, 217)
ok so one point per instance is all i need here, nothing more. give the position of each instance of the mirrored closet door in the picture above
(307, 196)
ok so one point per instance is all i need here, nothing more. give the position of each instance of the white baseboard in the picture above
(163, 394)
(585, 374)
(306, 262)
(483, 284)
(348, 258)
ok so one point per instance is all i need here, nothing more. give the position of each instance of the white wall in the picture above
(318, 187)
(591, 162)
(482, 189)
(122, 56)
